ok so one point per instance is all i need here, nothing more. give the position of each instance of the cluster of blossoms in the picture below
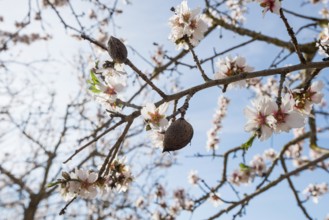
(87, 185)
(305, 98)
(212, 141)
(106, 83)
(323, 42)
(156, 121)
(295, 153)
(257, 167)
(214, 198)
(181, 201)
(237, 10)
(158, 56)
(188, 24)
(193, 177)
(314, 191)
(267, 116)
(230, 67)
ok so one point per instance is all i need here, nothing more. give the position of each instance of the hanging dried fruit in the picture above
(117, 50)
(178, 135)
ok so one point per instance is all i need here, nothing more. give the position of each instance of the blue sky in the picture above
(145, 22)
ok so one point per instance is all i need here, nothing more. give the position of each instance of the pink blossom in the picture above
(259, 117)
(270, 5)
(285, 116)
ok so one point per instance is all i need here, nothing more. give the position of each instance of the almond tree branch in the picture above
(292, 187)
(16, 180)
(284, 149)
(196, 60)
(307, 48)
(113, 151)
(292, 36)
(247, 198)
(144, 77)
(94, 140)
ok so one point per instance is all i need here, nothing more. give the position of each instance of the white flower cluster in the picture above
(193, 177)
(314, 191)
(230, 67)
(187, 23)
(106, 83)
(181, 201)
(266, 117)
(156, 121)
(304, 99)
(257, 167)
(87, 185)
(213, 140)
(323, 42)
(237, 10)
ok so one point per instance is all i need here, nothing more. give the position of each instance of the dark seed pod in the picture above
(178, 135)
(117, 50)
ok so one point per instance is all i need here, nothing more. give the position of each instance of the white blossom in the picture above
(241, 176)
(304, 99)
(84, 183)
(156, 137)
(300, 161)
(186, 23)
(323, 43)
(270, 154)
(315, 191)
(193, 177)
(257, 164)
(230, 67)
(286, 117)
(214, 198)
(259, 117)
(237, 10)
(154, 116)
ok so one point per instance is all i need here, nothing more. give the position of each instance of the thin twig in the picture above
(292, 187)
(145, 78)
(293, 37)
(62, 212)
(196, 60)
(247, 198)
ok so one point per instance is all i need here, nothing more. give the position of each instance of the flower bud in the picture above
(178, 135)
(66, 176)
(117, 50)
